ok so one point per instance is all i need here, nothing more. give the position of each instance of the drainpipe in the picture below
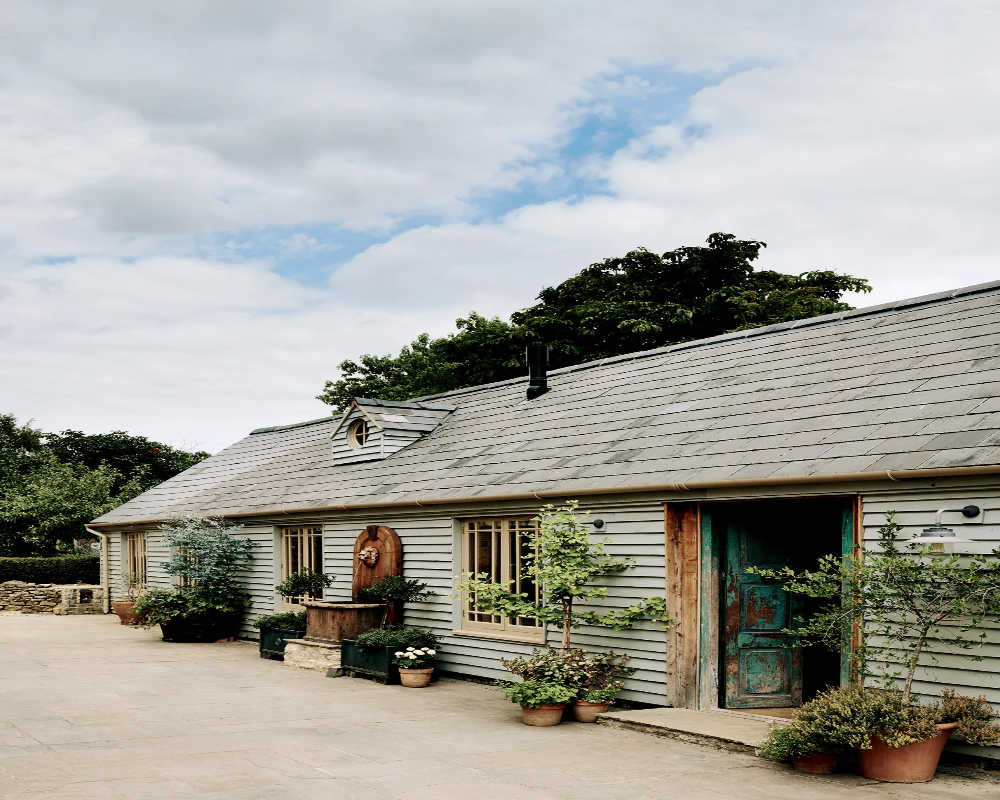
(105, 565)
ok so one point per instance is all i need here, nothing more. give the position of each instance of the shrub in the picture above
(163, 605)
(394, 589)
(59, 569)
(305, 583)
(795, 740)
(414, 658)
(285, 621)
(399, 637)
(600, 675)
(532, 694)
(206, 553)
(975, 718)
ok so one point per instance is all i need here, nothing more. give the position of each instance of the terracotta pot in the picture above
(415, 678)
(543, 716)
(914, 763)
(587, 712)
(819, 764)
(123, 609)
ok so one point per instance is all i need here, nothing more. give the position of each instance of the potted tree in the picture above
(209, 560)
(415, 665)
(395, 591)
(276, 629)
(130, 586)
(565, 563)
(901, 600)
(305, 583)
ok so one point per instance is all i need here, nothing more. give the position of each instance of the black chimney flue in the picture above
(537, 357)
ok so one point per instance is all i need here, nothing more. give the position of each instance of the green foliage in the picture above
(52, 484)
(61, 569)
(975, 717)
(564, 562)
(157, 606)
(599, 675)
(400, 637)
(126, 454)
(304, 583)
(395, 589)
(794, 740)
(50, 507)
(532, 694)
(620, 305)
(900, 601)
(285, 621)
(414, 658)
(206, 552)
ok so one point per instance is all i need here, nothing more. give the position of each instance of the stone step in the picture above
(727, 730)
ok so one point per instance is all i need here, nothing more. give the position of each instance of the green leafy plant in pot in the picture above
(277, 629)
(209, 560)
(541, 702)
(394, 591)
(306, 584)
(415, 665)
(129, 586)
(901, 600)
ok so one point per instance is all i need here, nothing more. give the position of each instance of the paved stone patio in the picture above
(90, 709)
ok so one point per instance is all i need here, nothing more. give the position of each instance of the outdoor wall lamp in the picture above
(941, 539)
(598, 523)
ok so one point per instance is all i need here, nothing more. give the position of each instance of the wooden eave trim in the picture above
(845, 477)
(347, 413)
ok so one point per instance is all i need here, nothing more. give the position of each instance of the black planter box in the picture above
(272, 642)
(368, 662)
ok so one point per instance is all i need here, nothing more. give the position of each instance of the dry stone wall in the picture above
(49, 598)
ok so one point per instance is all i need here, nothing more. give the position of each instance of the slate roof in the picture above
(390, 415)
(901, 386)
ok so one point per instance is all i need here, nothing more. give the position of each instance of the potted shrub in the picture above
(901, 601)
(210, 560)
(605, 674)
(415, 665)
(394, 591)
(130, 586)
(305, 583)
(806, 747)
(371, 654)
(276, 629)
(541, 702)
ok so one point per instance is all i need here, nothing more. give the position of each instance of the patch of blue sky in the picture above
(620, 108)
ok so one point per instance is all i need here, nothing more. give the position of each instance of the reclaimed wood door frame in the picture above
(694, 561)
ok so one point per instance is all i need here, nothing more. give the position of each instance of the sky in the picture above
(206, 206)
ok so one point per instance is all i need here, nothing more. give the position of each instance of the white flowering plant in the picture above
(414, 658)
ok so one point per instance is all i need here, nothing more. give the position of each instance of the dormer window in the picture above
(370, 430)
(358, 433)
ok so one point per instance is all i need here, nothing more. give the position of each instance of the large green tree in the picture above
(620, 305)
(52, 484)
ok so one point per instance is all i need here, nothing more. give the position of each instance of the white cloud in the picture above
(860, 137)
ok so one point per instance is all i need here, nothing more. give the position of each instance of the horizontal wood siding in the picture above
(915, 510)
(115, 565)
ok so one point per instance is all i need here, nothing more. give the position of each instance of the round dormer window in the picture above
(357, 434)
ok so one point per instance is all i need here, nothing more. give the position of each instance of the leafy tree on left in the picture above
(53, 484)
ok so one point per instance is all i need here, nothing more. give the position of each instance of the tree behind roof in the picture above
(620, 305)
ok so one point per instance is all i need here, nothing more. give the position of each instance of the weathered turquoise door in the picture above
(763, 667)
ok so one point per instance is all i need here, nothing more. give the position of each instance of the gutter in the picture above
(105, 565)
(846, 477)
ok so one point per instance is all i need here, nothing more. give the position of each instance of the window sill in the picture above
(504, 637)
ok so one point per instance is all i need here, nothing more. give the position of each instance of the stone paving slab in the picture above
(90, 709)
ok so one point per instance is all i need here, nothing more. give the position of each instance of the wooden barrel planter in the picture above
(331, 622)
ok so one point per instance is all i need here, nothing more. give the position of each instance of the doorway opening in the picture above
(759, 666)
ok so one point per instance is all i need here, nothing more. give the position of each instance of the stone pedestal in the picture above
(306, 654)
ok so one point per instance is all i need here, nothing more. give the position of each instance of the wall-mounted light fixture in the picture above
(940, 539)
(597, 523)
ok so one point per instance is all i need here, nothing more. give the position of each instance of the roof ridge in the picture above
(764, 330)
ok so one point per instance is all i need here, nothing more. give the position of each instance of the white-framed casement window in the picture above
(497, 548)
(301, 548)
(134, 558)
